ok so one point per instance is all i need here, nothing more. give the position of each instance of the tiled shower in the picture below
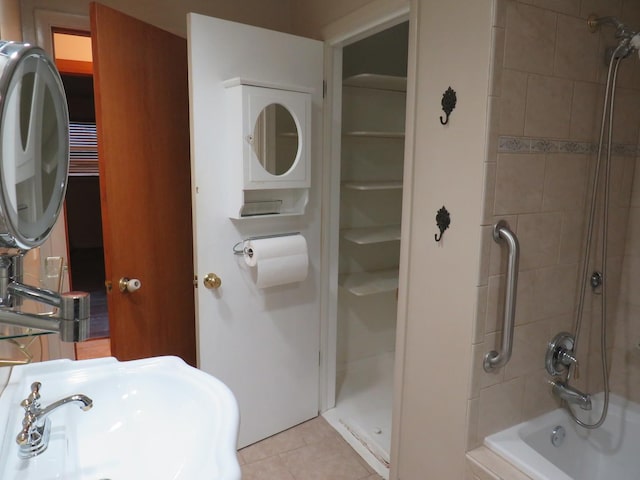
(545, 104)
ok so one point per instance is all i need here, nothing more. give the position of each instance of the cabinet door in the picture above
(263, 343)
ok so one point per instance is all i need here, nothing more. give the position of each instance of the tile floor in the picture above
(310, 451)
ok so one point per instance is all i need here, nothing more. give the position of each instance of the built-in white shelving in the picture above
(374, 185)
(377, 107)
(381, 82)
(370, 283)
(369, 235)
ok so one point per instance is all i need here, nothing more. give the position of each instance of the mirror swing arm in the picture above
(34, 163)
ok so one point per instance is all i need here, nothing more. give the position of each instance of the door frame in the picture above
(362, 23)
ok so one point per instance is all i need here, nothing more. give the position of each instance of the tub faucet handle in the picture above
(560, 356)
(576, 370)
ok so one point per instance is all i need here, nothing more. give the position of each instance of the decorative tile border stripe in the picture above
(508, 144)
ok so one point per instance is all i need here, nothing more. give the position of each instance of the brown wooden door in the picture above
(141, 96)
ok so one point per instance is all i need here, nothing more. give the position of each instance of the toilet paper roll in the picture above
(278, 260)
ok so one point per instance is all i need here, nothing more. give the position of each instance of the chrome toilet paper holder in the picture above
(240, 249)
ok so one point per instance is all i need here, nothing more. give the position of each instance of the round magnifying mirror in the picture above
(34, 139)
(276, 139)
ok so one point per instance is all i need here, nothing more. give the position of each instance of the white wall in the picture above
(453, 41)
(10, 20)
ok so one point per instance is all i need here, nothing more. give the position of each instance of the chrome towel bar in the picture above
(494, 360)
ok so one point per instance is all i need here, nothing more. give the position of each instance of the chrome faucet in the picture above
(34, 437)
(72, 320)
(571, 395)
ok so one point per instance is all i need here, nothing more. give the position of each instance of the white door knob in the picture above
(129, 284)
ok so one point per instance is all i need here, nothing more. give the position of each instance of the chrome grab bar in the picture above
(494, 360)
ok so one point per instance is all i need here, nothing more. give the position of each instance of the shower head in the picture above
(594, 22)
(629, 39)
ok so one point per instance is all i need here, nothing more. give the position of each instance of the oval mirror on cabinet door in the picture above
(276, 139)
(34, 145)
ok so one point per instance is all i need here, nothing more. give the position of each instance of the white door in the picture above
(263, 343)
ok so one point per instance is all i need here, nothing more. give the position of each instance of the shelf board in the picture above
(369, 235)
(372, 134)
(381, 82)
(386, 185)
(370, 283)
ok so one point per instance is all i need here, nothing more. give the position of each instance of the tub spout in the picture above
(571, 395)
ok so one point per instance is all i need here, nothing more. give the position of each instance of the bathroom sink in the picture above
(153, 418)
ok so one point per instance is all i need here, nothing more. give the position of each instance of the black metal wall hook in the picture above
(443, 220)
(449, 100)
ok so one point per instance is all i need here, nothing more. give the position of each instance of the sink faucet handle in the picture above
(35, 388)
(31, 404)
(35, 391)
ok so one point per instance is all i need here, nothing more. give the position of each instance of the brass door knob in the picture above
(212, 281)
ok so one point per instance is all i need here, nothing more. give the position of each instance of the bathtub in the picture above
(609, 452)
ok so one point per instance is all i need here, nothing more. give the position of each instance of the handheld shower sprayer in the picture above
(629, 39)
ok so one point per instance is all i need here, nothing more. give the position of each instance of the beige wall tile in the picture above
(476, 470)
(530, 39)
(525, 300)
(529, 348)
(473, 441)
(538, 398)
(539, 235)
(481, 315)
(635, 189)
(565, 182)
(548, 107)
(486, 244)
(626, 120)
(572, 237)
(570, 7)
(631, 271)
(601, 7)
(576, 50)
(489, 192)
(618, 221)
(633, 234)
(500, 13)
(631, 12)
(561, 323)
(622, 174)
(493, 128)
(586, 106)
(497, 60)
(479, 378)
(513, 102)
(500, 406)
(488, 466)
(555, 290)
(519, 183)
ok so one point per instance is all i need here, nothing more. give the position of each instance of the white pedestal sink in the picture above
(156, 418)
